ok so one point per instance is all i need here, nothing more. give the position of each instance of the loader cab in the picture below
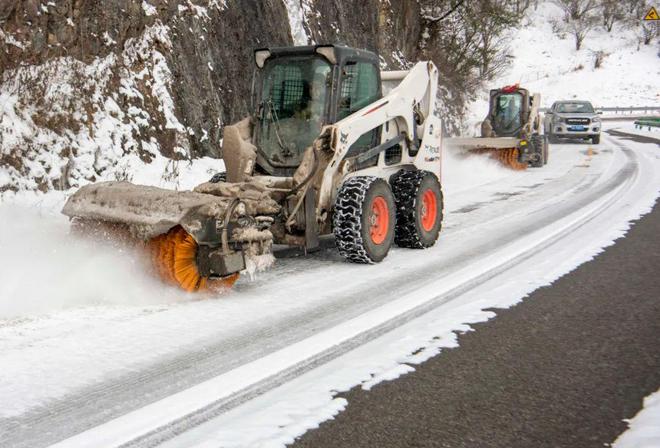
(509, 110)
(298, 90)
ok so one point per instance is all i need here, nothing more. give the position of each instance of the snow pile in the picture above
(644, 431)
(65, 123)
(546, 61)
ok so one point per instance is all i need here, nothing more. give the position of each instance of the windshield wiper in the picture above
(271, 116)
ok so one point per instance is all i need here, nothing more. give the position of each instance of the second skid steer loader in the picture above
(511, 131)
(324, 152)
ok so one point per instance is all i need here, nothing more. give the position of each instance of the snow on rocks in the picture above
(148, 8)
(65, 123)
(296, 13)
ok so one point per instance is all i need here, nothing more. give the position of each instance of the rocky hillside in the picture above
(86, 83)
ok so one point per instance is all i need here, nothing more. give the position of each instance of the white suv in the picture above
(572, 119)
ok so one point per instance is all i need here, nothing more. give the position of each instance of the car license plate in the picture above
(577, 128)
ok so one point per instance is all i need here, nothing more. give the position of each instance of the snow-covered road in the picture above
(70, 366)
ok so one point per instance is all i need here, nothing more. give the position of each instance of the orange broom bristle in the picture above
(173, 256)
(507, 157)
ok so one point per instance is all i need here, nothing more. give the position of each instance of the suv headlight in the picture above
(595, 120)
(556, 119)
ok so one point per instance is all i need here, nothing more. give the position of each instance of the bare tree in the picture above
(577, 9)
(520, 6)
(648, 32)
(613, 11)
(469, 35)
(633, 7)
(634, 12)
(579, 17)
(468, 43)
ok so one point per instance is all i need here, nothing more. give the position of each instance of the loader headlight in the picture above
(260, 57)
(328, 52)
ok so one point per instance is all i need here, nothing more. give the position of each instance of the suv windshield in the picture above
(579, 108)
(294, 91)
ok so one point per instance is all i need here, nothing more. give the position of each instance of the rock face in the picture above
(86, 83)
(392, 29)
(208, 51)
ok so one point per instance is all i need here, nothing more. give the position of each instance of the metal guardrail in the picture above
(630, 110)
(621, 110)
(648, 123)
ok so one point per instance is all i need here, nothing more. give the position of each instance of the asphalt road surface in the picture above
(561, 369)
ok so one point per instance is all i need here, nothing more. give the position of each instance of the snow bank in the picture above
(644, 428)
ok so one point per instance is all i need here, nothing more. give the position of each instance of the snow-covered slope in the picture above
(546, 61)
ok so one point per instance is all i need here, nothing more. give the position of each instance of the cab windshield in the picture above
(292, 107)
(508, 113)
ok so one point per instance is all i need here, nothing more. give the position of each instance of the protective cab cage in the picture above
(353, 82)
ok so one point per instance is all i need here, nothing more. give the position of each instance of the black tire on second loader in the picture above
(419, 207)
(364, 219)
(538, 144)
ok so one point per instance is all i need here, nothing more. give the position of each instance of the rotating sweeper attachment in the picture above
(195, 240)
(324, 152)
(510, 133)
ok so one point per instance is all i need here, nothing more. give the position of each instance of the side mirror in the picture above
(549, 112)
(600, 112)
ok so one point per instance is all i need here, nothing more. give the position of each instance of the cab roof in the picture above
(341, 53)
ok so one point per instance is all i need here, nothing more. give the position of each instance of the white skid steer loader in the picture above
(324, 152)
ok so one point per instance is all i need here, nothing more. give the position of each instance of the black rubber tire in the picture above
(219, 177)
(595, 139)
(352, 215)
(409, 188)
(546, 150)
(537, 147)
(552, 139)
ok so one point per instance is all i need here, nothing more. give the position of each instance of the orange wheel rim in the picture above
(379, 220)
(429, 210)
